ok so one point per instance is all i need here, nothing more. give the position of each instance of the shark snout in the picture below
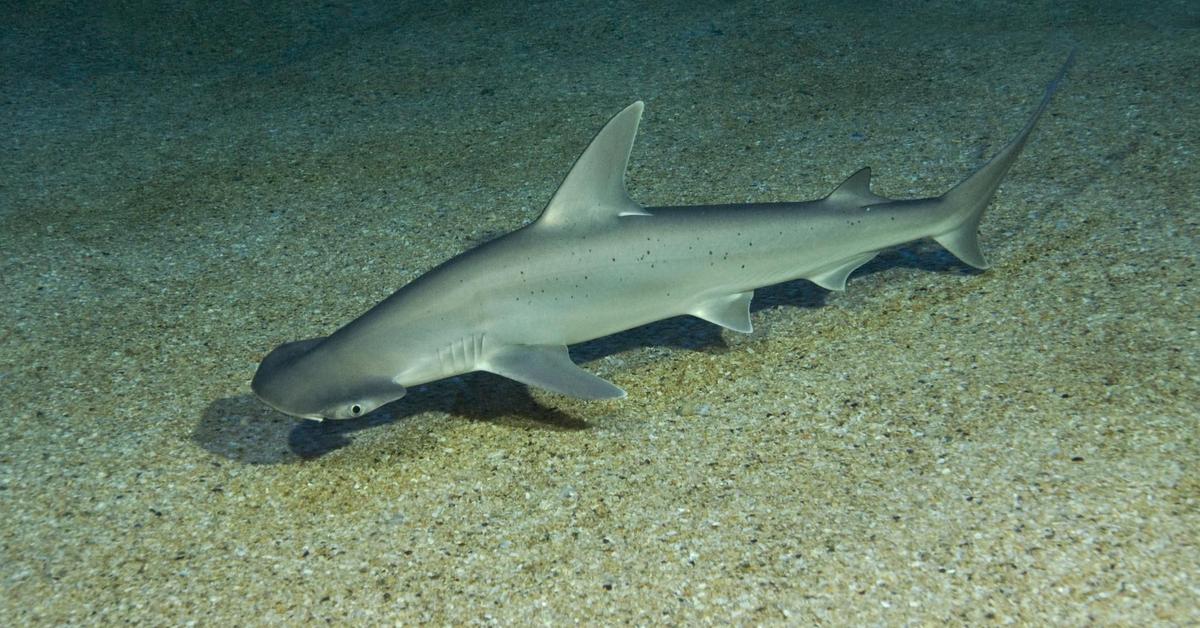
(278, 382)
(312, 379)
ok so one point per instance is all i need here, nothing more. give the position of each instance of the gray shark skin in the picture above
(595, 263)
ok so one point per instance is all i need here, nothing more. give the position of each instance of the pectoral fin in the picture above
(551, 368)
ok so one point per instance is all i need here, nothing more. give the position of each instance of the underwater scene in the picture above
(995, 421)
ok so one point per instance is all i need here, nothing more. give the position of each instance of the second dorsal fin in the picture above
(855, 191)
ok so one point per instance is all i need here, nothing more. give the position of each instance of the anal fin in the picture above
(731, 311)
(835, 278)
(549, 367)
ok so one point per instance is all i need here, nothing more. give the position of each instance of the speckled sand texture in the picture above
(183, 188)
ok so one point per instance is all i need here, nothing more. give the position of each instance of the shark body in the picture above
(595, 263)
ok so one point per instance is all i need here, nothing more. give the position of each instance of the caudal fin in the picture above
(970, 197)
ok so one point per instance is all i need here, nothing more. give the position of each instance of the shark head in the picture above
(306, 379)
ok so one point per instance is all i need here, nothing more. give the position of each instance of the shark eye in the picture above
(356, 409)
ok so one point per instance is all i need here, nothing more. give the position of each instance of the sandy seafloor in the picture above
(183, 188)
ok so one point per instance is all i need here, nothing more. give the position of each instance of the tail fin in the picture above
(972, 195)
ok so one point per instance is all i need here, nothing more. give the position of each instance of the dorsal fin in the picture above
(855, 191)
(594, 190)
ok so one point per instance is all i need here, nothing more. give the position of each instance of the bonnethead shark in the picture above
(594, 263)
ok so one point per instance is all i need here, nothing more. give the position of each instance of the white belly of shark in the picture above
(594, 263)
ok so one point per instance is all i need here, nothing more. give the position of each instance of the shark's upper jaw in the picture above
(298, 415)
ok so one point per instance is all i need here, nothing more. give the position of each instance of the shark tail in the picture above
(969, 198)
